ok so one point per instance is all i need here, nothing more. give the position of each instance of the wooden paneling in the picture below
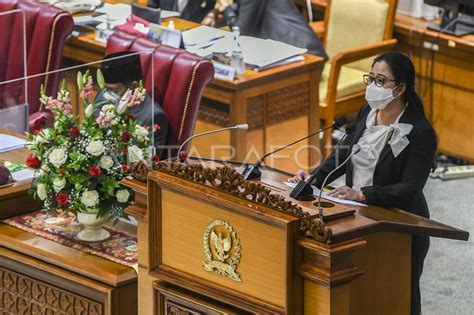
(262, 266)
(385, 286)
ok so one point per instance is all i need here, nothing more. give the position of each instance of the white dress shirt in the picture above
(371, 143)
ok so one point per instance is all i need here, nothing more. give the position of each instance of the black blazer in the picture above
(398, 181)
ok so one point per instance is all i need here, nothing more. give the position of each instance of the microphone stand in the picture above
(355, 150)
(253, 171)
(242, 126)
(303, 190)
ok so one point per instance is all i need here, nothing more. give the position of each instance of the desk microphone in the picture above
(355, 150)
(303, 190)
(253, 171)
(241, 127)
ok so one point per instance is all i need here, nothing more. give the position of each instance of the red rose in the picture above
(125, 168)
(62, 170)
(94, 171)
(36, 132)
(62, 199)
(33, 161)
(183, 155)
(125, 136)
(74, 132)
(157, 127)
(155, 158)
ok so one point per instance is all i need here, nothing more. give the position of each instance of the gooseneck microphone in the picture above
(241, 126)
(303, 190)
(253, 171)
(355, 150)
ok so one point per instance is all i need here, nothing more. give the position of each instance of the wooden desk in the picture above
(44, 277)
(282, 270)
(39, 276)
(259, 98)
(15, 199)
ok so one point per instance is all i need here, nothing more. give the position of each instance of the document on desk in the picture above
(9, 143)
(258, 53)
(333, 199)
(116, 12)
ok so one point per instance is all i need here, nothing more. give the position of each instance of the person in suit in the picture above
(272, 19)
(397, 148)
(122, 71)
(192, 10)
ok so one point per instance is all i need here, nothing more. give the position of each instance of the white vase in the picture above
(93, 231)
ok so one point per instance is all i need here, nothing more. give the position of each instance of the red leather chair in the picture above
(179, 79)
(46, 30)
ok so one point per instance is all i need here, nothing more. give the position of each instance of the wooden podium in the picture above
(213, 243)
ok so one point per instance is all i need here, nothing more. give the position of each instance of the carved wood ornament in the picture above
(229, 180)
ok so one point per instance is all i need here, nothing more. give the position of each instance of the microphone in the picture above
(303, 190)
(253, 171)
(355, 150)
(241, 126)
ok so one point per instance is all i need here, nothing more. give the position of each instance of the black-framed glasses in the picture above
(379, 80)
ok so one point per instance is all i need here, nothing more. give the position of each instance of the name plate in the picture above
(164, 35)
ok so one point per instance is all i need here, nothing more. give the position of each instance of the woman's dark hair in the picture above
(403, 71)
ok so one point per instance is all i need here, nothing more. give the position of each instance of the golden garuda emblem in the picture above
(222, 249)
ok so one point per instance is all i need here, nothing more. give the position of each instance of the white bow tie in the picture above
(399, 141)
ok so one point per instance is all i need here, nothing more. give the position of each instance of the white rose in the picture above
(57, 157)
(135, 154)
(89, 110)
(59, 183)
(42, 137)
(41, 191)
(141, 131)
(95, 148)
(106, 162)
(122, 195)
(123, 102)
(90, 198)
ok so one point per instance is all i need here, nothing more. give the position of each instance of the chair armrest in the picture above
(318, 28)
(351, 55)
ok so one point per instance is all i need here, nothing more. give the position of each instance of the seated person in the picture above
(191, 10)
(125, 73)
(272, 19)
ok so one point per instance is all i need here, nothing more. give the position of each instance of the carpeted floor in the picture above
(447, 283)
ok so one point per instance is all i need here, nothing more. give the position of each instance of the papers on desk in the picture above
(9, 143)
(258, 53)
(169, 14)
(116, 12)
(333, 199)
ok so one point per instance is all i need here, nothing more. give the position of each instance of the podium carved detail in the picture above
(228, 180)
(222, 249)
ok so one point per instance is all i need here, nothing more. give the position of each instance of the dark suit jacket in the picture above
(143, 114)
(194, 10)
(398, 182)
(274, 19)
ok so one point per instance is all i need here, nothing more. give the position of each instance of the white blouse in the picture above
(371, 143)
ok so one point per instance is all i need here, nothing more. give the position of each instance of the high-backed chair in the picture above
(353, 33)
(179, 79)
(46, 30)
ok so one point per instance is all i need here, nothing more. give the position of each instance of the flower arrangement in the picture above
(81, 165)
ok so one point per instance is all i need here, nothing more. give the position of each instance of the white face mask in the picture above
(378, 97)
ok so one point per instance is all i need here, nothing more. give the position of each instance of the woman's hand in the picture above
(300, 176)
(347, 193)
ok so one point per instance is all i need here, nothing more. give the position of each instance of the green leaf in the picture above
(80, 81)
(100, 79)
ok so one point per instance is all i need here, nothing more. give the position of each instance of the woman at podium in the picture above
(395, 152)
